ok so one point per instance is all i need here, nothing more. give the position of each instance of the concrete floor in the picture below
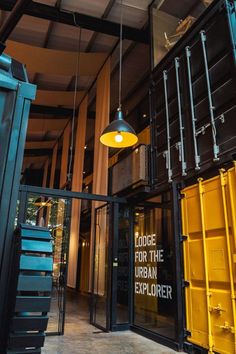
(82, 338)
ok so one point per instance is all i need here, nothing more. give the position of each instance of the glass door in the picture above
(121, 267)
(54, 214)
(155, 298)
(100, 314)
(59, 222)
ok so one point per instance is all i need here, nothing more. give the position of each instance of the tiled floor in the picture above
(82, 338)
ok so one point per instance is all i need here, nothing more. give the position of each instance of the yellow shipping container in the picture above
(209, 224)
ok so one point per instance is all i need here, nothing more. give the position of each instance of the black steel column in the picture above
(178, 265)
(12, 20)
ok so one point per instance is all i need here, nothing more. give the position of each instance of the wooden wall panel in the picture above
(53, 166)
(65, 155)
(100, 165)
(77, 181)
(45, 174)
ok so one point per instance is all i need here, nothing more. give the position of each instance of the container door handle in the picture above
(211, 107)
(181, 126)
(167, 153)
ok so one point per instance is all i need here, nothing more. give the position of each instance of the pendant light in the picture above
(119, 134)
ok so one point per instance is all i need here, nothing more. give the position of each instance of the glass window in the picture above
(123, 266)
(171, 19)
(154, 275)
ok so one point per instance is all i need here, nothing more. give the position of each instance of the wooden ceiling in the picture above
(54, 52)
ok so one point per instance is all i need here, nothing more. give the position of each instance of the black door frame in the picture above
(113, 202)
(105, 328)
(115, 264)
(178, 263)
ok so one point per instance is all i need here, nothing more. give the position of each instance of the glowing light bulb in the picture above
(118, 138)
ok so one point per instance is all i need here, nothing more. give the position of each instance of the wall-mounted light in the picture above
(119, 134)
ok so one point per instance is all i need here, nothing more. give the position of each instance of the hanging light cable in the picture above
(119, 134)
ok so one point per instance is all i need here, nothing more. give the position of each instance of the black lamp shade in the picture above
(119, 133)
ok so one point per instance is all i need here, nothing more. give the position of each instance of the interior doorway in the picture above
(100, 283)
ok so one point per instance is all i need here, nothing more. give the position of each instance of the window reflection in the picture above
(154, 281)
(123, 266)
(171, 19)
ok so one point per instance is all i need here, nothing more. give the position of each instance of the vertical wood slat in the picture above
(77, 181)
(52, 178)
(65, 155)
(100, 165)
(44, 184)
(45, 173)
(53, 166)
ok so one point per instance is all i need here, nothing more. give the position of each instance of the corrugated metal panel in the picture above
(209, 222)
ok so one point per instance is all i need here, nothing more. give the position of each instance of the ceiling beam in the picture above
(37, 152)
(34, 159)
(43, 125)
(56, 112)
(104, 16)
(58, 98)
(78, 19)
(12, 20)
(39, 145)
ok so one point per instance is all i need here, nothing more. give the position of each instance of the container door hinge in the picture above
(185, 283)
(183, 238)
(187, 333)
(188, 347)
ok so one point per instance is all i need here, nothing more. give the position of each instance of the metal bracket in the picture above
(183, 238)
(185, 283)
(179, 147)
(166, 157)
(187, 333)
(203, 129)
